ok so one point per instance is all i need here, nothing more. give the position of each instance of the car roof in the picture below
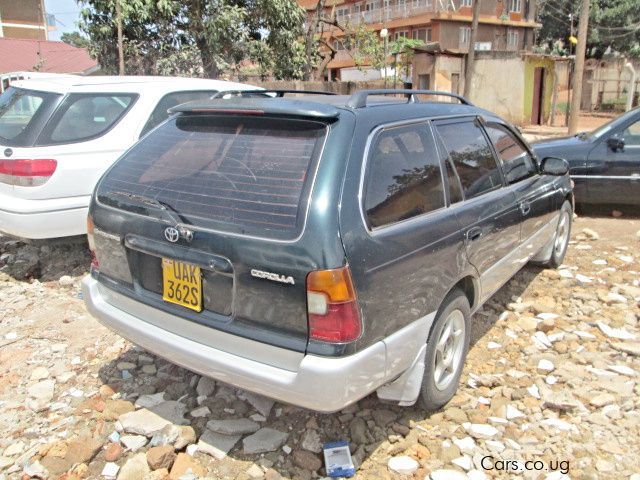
(330, 106)
(136, 84)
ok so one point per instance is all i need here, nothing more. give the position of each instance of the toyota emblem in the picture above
(172, 234)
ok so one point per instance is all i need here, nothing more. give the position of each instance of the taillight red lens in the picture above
(92, 243)
(332, 306)
(27, 172)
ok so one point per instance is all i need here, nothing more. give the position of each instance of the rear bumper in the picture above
(39, 219)
(318, 383)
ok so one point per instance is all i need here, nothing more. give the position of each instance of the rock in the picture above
(168, 436)
(306, 460)
(35, 470)
(149, 369)
(171, 411)
(200, 412)
(311, 441)
(110, 470)
(383, 417)
(358, 429)
(464, 462)
(133, 442)
(143, 422)
(545, 366)
(206, 386)
(546, 325)
(527, 324)
(39, 373)
(184, 464)
(216, 444)
(160, 474)
(186, 436)
(42, 391)
(456, 415)
(262, 404)
(135, 468)
(445, 474)
(403, 465)
(466, 445)
(264, 440)
(617, 333)
(161, 457)
(114, 408)
(233, 426)
(126, 366)
(616, 213)
(602, 399)
(66, 281)
(113, 452)
(591, 234)
(82, 449)
(254, 472)
(630, 348)
(151, 400)
(478, 430)
(14, 449)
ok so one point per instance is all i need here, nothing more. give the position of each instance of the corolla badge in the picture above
(275, 277)
(172, 234)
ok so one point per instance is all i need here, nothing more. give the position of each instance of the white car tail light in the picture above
(27, 172)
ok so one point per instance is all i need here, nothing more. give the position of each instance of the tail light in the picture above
(27, 173)
(332, 306)
(92, 243)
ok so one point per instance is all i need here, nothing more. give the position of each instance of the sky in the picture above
(67, 14)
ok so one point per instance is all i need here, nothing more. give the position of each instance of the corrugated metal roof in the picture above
(43, 56)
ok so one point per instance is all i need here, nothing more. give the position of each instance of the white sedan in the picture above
(58, 136)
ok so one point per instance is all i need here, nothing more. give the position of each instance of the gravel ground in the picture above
(551, 379)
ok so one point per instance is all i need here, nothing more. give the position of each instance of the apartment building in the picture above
(24, 19)
(504, 25)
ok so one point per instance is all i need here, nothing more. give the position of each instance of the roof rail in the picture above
(279, 92)
(359, 99)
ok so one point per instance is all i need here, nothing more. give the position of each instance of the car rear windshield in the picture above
(21, 112)
(247, 175)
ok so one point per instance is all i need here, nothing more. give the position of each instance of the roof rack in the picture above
(359, 99)
(279, 92)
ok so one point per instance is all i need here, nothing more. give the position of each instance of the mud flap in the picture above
(406, 388)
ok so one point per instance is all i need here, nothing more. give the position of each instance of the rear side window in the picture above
(20, 110)
(85, 116)
(240, 174)
(160, 113)
(403, 176)
(472, 157)
(517, 162)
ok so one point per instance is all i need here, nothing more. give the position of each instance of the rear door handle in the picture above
(525, 208)
(474, 233)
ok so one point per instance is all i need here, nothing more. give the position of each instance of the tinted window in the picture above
(471, 154)
(403, 176)
(517, 163)
(160, 113)
(85, 116)
(246, 175)
(631, 134)
(19, 111)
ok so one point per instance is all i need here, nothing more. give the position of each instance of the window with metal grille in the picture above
(241, 174)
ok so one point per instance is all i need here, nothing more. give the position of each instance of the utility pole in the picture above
(471, 55)
(120, 49)
(576, 85)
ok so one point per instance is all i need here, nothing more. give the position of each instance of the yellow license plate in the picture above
(182, 284)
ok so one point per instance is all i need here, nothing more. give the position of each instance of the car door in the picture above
(534, 192)
(489, 216)
(614, 173)
(403, 245)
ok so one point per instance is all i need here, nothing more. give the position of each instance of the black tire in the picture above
(432, 395)
(558, 254)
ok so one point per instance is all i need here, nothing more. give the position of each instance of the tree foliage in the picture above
(614, 25)
(210, 37)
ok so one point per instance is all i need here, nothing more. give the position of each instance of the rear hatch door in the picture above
(204, 217)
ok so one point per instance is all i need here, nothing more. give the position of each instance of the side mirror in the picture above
(555, 166)
(615, 142)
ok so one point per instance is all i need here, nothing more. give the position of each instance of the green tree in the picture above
(367, 48)
(613, 24)
(221, 31)
(76, 39)
(403, 50)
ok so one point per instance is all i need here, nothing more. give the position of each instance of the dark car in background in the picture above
(318, 248)
(604, 163)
